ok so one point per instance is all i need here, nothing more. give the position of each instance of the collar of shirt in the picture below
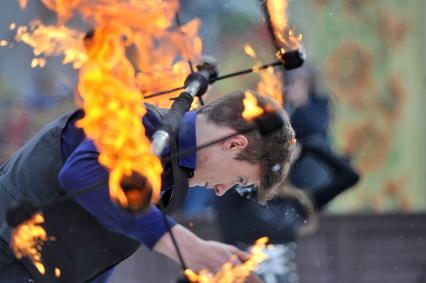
(187, 141)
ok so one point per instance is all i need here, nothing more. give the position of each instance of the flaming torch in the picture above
(110, 84)
(28, 235)
(284, 39)
(232, 273)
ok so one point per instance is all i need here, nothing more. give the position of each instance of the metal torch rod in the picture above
(195, 85)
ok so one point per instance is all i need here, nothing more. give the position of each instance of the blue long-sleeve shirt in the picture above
(82, 169)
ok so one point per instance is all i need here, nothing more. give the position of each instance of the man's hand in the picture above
(212, 255)
(252, 278)
(197, 253)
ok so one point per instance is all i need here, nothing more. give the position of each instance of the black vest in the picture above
(83, 247)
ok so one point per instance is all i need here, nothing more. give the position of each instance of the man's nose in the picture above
(221, 189)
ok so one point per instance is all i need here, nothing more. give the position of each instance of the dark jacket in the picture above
(82, 248)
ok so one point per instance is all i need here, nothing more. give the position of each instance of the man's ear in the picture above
(237, 142)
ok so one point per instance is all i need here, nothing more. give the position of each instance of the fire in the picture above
(251, 109)
(230, 273)
(160, 78)
(132, 53)
(278, 11)
(271, 85)
(155, 73)
(113, 83)
(249, 51)
(53, 40)
(113, 110)
(28, 239)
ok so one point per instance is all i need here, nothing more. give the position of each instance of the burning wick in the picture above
(28, 236)
(230, 272)
(138, 192)
(251, 108)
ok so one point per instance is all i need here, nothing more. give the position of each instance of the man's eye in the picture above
(243, 181)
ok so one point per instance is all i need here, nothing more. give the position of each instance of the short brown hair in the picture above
(272, 152)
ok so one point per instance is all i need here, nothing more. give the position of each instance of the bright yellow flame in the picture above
(131, 37)
(278, 12)
(54, 40)
(113, 113)
(251, 109)
(249, 51)
(28, 239)
(109, 90)
(230, 273)
(12, 26)
(271, 85)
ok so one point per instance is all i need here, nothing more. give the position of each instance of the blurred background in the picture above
(369, 55)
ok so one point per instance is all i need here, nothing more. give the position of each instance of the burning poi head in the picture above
(112, 86)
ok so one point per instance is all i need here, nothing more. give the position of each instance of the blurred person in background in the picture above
(317, 169)
(316, 176)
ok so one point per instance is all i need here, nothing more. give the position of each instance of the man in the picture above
(92, 234)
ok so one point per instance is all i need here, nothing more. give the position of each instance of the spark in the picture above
(249, 51)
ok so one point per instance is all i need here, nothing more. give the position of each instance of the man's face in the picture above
(218, 169)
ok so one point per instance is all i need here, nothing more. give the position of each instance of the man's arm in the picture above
(82, 169)
(198, 253)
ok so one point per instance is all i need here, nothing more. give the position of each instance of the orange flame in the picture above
(249, 51)
(155, 73)
(230, 273)
(28, 239)
(63, 8)
(251, 108)
(109, 89)
(54, 40)
(113, 110)
(271, 85)
(278, 12)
